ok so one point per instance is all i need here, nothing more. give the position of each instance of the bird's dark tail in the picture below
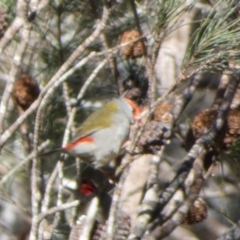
(50, 152)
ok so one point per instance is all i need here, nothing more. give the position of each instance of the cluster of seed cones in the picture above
(230, 132)
(197, 212)
(134, 49)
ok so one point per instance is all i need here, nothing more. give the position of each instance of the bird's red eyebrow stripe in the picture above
(137, 110)
(80, 140)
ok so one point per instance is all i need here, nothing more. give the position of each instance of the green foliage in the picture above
(167, 11)
(8, 3)
(215, 42)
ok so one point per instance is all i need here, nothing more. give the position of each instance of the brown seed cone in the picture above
(197, 212)
(135, 49)
(25, 91)
(203, 121)
(138, 49)
(3, 21)
(230, 133)
(233, 128)
(161, 109)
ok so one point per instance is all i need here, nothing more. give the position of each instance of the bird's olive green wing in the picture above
(99, 119)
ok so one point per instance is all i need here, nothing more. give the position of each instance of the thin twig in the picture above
(114, 207)
(90, 219)
(47, 194)
(52, 210)
(22, 163)
(113, 64)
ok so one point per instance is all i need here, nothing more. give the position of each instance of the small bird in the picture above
(99, 139)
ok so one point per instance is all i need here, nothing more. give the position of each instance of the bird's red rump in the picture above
(87, 188)
(78, 141)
